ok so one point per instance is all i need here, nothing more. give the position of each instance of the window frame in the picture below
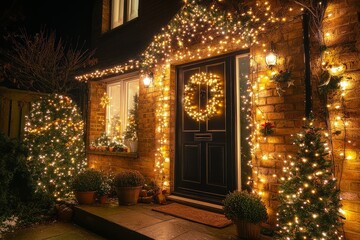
(124, 81)
(125, 13)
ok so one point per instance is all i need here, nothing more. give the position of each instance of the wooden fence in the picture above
(14, 106)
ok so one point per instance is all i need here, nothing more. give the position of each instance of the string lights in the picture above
(215, 96)
(198, 23)
(200, 31)
(207, 25)
(309, 198)
(162, 155)
(54, 135)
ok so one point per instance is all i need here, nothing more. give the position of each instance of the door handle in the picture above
(202, 137)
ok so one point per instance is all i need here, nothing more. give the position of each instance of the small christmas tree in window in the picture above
(130, 133)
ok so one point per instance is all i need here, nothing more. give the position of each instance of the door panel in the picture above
(217, 123)
(188, 123)
(216, 165)
(191, 163)
(205, 164)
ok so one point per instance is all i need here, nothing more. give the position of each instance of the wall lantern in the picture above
(271, 57)
(148, 79)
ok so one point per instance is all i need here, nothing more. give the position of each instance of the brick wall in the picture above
(96, 114)
(96, 126)
(285, 111)
(343, 41)
(341, 31)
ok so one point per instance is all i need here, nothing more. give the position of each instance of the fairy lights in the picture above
(309, 198)
(214, 30)
(196, 23)
(119, 69)
(162, 155)
(215, 96)
(54, 135)
(105, 100)
(200, 31)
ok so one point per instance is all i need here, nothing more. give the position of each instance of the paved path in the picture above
(53, 231)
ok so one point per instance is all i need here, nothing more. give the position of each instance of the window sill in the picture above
(120, 154)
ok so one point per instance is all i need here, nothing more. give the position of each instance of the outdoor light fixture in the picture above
(148, 79)
(271, 57)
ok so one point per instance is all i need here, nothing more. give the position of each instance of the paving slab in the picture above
(134, 220)
(195, 235)
(163, 231)
(53, 231)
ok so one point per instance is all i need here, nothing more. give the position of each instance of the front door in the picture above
(205, 161)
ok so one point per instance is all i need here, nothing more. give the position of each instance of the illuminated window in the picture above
(123, 11)
(121, 94)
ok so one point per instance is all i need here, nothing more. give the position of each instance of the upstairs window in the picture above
(123, 11)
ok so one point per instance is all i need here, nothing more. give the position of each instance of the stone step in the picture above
(104, 227)
(112, 221)
(196, 203)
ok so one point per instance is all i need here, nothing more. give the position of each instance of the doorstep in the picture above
(140, 222)
(196, 203)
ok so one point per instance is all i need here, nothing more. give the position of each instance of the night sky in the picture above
(71, 19)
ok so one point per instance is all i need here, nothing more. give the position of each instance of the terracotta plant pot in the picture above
(103, 199)
(128, 195)
(247, 230)
(85, 197)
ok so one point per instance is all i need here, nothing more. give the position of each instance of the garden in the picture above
(46, 175)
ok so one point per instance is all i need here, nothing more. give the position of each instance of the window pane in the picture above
(121, 96)
(132, 9)
(114, 127)
(117, 13)
(132, 88)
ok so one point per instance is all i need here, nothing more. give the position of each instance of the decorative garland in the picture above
(215, 96)
(198, 21)
(282, 78)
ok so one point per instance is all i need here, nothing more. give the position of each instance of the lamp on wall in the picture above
(271, 57)
(148, 79)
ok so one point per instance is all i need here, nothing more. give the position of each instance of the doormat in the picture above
(194, 214)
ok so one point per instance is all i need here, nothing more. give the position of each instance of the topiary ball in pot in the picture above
(86, 184)
(247, 211)
(128, 184)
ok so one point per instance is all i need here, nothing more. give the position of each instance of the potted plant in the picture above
(85, 185)
(105, 187)
(246, 211)
(130, 133)
(102, 142)
(128, 184)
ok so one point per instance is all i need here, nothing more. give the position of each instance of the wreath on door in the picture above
(215, 96)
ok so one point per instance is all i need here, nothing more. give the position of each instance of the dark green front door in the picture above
(205, 162)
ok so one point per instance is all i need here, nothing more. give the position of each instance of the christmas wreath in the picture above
(215, 95)
(267, 128)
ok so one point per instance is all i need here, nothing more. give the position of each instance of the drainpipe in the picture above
(306, 44)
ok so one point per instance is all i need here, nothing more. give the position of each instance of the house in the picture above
(198, 143)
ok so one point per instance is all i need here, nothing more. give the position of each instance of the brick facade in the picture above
(285, 111)
(344, 43)
(146, 148)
